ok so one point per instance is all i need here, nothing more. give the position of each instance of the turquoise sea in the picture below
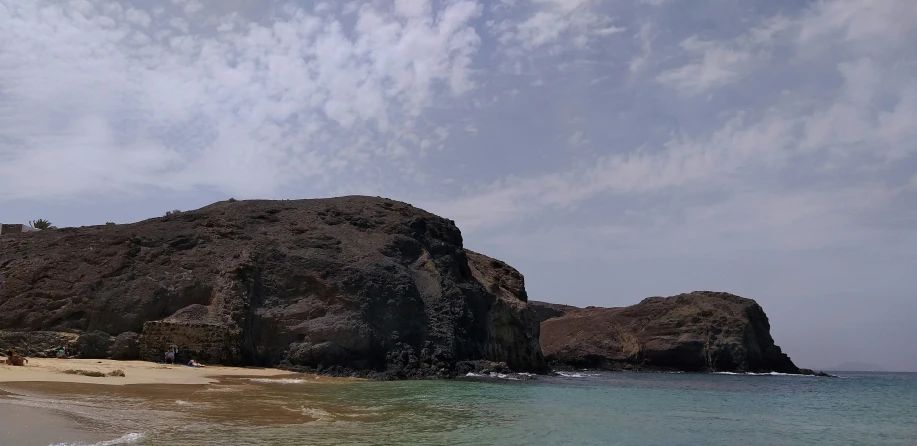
(582, 408)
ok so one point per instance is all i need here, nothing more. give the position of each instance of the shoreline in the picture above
(135, 372)
(42, 405)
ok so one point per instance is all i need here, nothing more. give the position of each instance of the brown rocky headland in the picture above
(343, 286)
(702, 331)
(349, 286)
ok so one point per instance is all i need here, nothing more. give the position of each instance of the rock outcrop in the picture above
(351, 285)
(126, 346)
(695, 332)
(40, 344)
(544, 310)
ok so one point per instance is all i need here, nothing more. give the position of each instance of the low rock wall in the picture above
(206, 343)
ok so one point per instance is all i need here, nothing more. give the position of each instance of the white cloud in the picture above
(578, 138)
(724, 62)
(858, 132)
(551, 22)
(644, 40)
(719, 65)
(247, 110)
(610, 30)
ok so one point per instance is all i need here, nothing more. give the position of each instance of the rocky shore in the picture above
(702, 331)
(345, 286)
(349, 286)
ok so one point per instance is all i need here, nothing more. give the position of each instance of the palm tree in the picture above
(41, 224)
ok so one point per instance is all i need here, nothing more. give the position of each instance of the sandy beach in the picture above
(40, 404)
(135, 372)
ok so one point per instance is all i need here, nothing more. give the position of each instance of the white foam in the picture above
(130, 438)
(492, 375)
(277, 380)
(318, 414)
(758, 374)
(576, 375)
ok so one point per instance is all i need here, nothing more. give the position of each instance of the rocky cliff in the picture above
(344, 285)
(699, 331)
(545, 310)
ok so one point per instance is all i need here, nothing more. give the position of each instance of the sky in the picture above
(609, 150)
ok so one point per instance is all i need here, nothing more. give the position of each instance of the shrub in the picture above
(41, 224)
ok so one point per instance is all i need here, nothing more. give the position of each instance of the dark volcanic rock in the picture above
(126, 346)
(699, 331)
(510, 316)
(544, 310)
(811, 372)
(94, 345)
(40, 344)
(344, 285)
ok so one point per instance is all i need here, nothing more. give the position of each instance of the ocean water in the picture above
(583, 408)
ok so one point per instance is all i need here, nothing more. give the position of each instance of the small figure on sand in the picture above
(193, 363)
(12, 358)
(64, 352)
(170, 355)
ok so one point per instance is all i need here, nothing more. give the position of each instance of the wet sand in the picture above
(42, 405)
(136, 372)
(25, 425)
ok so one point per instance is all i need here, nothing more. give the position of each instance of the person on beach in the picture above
(14, 359)
(170, 356)
(195, 364)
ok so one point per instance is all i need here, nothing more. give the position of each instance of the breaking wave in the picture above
(493, 375)
(576, 374)
(130, 438)
(278, 380)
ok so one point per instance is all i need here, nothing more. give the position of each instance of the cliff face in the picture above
(699, 331)
(351, 284)
(511, 316)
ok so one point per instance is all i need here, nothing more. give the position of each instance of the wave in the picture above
(758, 374)
(492, 375)
(576, 375)
(130, 438)
(277, 380)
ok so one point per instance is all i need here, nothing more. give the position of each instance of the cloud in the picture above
(859, 133)
(550, 23)
(723, 62)
(644, 39)
(719, 65)
(105, 98)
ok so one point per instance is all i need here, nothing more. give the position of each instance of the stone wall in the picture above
(16, 228)
(207, 343)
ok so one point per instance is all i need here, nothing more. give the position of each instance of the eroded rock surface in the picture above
(345, 285)
(699, 331)
(545, 310)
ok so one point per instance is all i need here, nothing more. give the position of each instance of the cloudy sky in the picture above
(611, 150)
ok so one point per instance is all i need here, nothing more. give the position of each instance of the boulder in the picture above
(126, 346)
(94, 345)
(697, 332)
(349, 285)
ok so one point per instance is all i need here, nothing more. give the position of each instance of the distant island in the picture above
(857, 367)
